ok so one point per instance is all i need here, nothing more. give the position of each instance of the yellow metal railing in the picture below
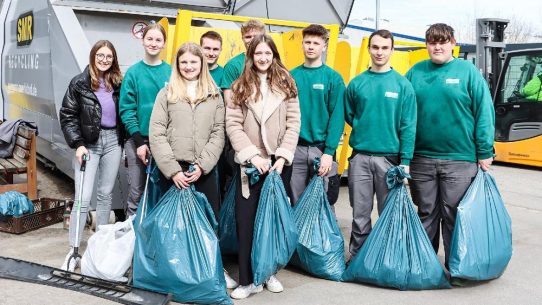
(288, 43)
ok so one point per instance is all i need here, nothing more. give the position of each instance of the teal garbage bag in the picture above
(320, 246)
(482, 238)
(177, 251)
(227, 225)
(275, 232)
(397, 252)
(15, 204)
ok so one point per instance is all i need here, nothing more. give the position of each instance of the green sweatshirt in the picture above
(232, 70)
(381, 108)
(217, 74)
(456, 120)
(321, 101)
(533, 89)
(138, 92)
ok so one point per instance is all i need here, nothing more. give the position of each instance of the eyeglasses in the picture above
(101, 56)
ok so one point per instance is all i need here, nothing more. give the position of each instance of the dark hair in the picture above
(384, 34)
(316, 30)
(439, 32)
(278, 77)
(154, 26)
(210, 35)
(112, 76)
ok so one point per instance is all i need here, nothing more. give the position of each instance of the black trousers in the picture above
(245, 214)
(206, 184)
(226, 167)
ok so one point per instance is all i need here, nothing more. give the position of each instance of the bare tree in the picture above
(518, 30)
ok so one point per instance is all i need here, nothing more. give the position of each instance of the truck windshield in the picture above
(523, 80)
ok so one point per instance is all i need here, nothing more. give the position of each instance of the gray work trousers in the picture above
(103, 166)
(136, 177)
(303, 170)
(437, 186)
(366, 176)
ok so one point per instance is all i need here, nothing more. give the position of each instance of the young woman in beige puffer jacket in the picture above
(187, 126)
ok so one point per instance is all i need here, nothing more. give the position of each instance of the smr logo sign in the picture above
(25, 29)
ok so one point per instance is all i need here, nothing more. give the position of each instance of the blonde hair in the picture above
(177, 89)
(252, 24)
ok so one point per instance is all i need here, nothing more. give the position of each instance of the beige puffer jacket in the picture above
(275, 133)
(178, 132)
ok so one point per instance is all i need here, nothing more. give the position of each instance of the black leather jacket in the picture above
(81, 113)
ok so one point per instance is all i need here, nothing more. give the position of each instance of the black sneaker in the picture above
(459, 282)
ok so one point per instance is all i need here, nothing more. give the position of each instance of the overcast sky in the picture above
(412, 16)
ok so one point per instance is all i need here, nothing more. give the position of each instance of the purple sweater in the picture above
(109, 114)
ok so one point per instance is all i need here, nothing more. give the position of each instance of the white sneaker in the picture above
(74, 263)
(243, 292)
(274, 285)
(230, 283)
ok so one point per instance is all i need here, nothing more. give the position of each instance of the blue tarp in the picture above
(15, 204)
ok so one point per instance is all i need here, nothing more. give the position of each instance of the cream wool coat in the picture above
(180, 132)
(275, 132)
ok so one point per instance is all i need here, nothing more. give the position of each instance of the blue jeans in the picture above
(102, 166)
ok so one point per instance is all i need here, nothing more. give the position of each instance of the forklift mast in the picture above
(489, 46)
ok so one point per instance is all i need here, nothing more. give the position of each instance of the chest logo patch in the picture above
(390, 94)
(318, 86)
(452, 81)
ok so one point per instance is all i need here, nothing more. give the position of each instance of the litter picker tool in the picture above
(75, 254)
(145, 192)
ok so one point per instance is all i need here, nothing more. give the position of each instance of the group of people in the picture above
(437, 123)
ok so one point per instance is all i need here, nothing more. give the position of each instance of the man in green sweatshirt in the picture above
(455, 130)
(321, 101)
(211, 43)
(380, 106)
(234, 67)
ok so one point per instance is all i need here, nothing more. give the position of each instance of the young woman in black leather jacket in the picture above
(90, 121)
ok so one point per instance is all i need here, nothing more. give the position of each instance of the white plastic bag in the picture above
(109, 252)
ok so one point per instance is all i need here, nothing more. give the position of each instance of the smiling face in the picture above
(189, 66)
(103, 59)
(263, 57)
(153, 42)
(380, 49)
(313, 47)
(441, 52)
(211, 50)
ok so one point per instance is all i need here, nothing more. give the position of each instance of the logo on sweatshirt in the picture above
(452, 81)
(390, 94)
(318, 86)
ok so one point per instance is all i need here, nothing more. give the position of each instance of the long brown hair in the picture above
(112, 77)
(278, 77)
(176, 89)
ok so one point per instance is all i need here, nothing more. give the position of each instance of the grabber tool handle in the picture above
(84, 162)
(148, 168)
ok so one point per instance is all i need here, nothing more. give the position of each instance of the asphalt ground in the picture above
(520, 187)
